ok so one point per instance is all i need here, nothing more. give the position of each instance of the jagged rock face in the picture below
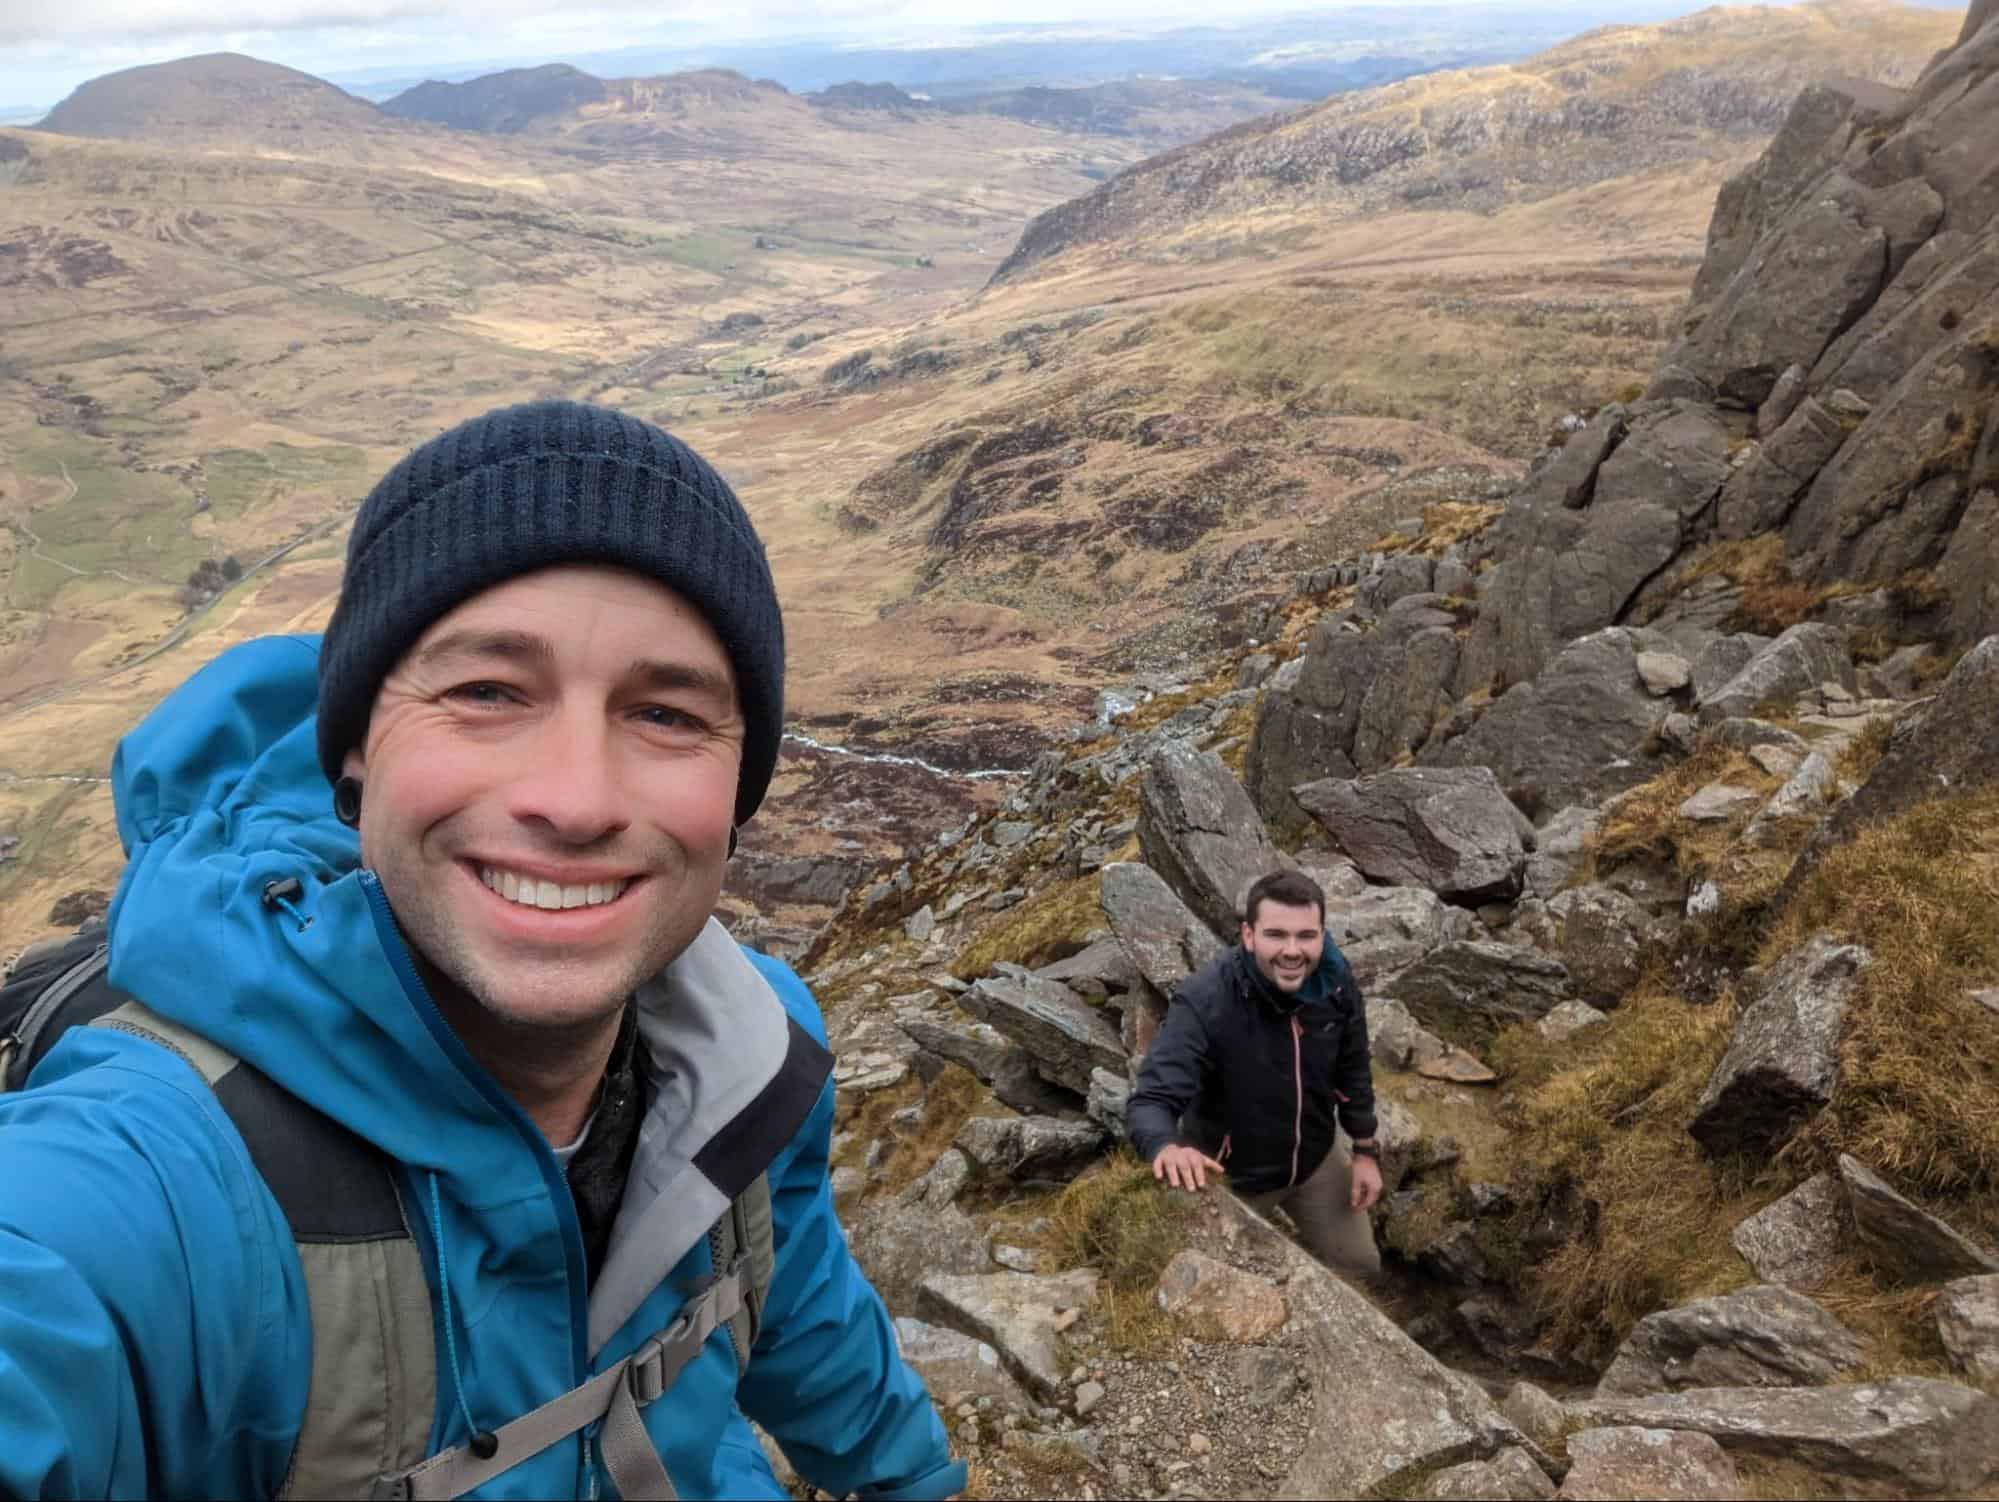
(1450, 830)
(1066, 1035)
(1864, 248)
(1950, 745)
(1801, 659)
(1469, 989)
(1759, 496)
(1909, 1433)
(1903, 1240)
(1571, 734)
(1783, 1061)
(1562, 574)
(1395, 1408)
(1198, 829)
(1511, 1474)
(1797, 1239)
(1384, 930)
(1160, 933)
(1968, 1324)
(1765, 1336)
(1030, 1147)
(1623, 1461)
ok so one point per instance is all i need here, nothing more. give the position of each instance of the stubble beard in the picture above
(548, 996)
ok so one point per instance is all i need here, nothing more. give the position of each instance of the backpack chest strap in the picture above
(615, 1395)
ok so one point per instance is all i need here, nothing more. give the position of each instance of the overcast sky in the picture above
(48, 47)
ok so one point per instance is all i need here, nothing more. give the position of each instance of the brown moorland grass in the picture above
(1037, 931)
(1601, 1123)
(1608, 1134)
(1119, 1220)
(1645, 824)
(1918, 1097)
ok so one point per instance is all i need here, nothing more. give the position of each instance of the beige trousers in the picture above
(1322, 1209)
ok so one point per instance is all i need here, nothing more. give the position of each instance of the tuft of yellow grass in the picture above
(1118, 1219)
(1604, 1143)
(1918, 1097)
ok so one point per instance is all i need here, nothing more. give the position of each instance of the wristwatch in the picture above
(1368, 1149)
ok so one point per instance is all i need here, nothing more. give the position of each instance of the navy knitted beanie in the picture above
(528, 487)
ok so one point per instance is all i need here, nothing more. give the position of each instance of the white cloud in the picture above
(77, 20)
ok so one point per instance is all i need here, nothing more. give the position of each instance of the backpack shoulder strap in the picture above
(745, 1230)
(373, 1390)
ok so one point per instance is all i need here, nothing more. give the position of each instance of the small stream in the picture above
(896, 759)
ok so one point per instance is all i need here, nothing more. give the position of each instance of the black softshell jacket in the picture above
(1258, 1076)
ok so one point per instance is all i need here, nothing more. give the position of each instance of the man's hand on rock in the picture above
(1188, 1168)
(1366, 1182)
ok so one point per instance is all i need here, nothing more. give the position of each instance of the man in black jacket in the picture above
(1263, 1055)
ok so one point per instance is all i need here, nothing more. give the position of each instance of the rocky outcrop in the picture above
(1797, 1239)
(1450, 830)
(1198, 830)
(1397, 1409)
(1368, 689)
(1783, 1060)
(1467, 990)
(1903, 1240)
(1066, 1035)
(1160, 933)
(1030, 1147)
(1911, 1434)
(1948, 746)
(1573, 733)
(1761, 1337)
(1967, 1313)
(1801, 659)
(1511, 1474)
(1018, 1314)
(1630, 1464)
(1384, 930)
(1761, 493)
(1212, 1298)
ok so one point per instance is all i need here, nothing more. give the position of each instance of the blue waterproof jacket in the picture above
(154, 1332)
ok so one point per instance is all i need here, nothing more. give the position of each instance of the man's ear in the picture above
(354, 764)
(1248, 933)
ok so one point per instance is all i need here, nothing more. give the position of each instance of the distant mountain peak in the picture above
(224, 95)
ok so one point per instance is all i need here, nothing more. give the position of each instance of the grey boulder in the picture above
(1906, 1433)
(1902, 1239)
(1449, 829)
(1783, 1060)
(1165, 941)
(1198, 829)
(1764, 1336)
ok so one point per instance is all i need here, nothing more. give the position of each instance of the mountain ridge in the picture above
(220, 93)
(1608, 102)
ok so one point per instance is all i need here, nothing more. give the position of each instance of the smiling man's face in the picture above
(1286, 942)
(549, 778)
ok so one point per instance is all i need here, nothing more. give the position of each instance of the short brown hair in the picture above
(1291, 888)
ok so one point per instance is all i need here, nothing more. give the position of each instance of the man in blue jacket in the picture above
(1263, 1056)
(446, 878)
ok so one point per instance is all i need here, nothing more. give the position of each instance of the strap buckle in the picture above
(646, 1376)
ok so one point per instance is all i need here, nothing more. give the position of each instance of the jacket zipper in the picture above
(1298, 1078)
(397, 950)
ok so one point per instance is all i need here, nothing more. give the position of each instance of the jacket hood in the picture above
(219, 795)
